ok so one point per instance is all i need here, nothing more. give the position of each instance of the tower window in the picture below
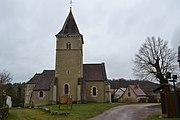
(41, 94)
(66, 89)
(68, 45)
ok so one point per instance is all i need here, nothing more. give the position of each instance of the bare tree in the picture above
(5, 77)
(154, 59)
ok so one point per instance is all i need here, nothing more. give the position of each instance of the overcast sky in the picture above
(113, 31)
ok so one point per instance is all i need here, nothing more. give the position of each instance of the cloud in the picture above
(113, 32)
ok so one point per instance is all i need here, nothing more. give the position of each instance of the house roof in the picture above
(137, 90)
(94, 72)
(146, 86)
(70, 26)
(42, 81)
(34, 79)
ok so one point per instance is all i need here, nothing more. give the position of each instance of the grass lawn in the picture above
(78, 112)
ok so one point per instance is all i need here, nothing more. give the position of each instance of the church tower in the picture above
(69, 60)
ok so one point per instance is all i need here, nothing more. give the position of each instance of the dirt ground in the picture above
(128, 112)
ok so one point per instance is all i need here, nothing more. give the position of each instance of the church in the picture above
(83, 82)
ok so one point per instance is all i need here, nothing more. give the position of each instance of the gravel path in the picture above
(128, 112)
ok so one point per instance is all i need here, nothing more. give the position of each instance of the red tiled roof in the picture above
(94, 72)
(137, 90)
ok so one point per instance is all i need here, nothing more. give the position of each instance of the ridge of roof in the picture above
(70, 26)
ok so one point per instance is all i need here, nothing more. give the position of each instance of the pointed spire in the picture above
(70, 26)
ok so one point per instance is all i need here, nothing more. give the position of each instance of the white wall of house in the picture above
(8, 101)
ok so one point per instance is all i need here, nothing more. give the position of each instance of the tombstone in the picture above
(8, 101)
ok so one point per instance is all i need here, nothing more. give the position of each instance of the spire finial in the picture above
(70, 4)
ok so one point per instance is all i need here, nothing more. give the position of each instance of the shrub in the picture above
(4, 113)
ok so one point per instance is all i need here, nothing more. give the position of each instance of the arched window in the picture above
(94, 91)
(66, 89)
(68, 45)
(41, 94)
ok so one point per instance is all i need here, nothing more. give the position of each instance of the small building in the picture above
(170, 107)
(134, 94)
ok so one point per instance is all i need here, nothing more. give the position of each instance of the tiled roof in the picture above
(94, 72)
(70, 26)
(137, 90)
(34, 79)
(43, 81)
(146, 86)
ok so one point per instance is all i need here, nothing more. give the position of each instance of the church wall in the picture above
(100, 91)
(37, 100)
(53, 93)
(107, 92)
(28, 94)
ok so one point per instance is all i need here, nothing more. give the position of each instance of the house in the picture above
(117, 93)
(146, 86)
(82, 82)
(134, 94)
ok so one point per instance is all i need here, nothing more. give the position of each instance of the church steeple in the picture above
(70, 26)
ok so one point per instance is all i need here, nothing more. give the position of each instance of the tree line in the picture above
(15, 90)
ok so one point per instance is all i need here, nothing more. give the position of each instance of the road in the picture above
(127, 112)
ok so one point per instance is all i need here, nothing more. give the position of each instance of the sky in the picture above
(113, 31)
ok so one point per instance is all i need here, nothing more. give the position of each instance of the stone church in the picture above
(83, 82)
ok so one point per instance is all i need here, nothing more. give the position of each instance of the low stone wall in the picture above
(53, 111)
(4, 113)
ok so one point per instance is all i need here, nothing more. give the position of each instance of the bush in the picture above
(4, 113)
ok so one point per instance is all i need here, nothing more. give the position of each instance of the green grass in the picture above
(155, 106)
(29, 114)
(84, 111)
(78, 112)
